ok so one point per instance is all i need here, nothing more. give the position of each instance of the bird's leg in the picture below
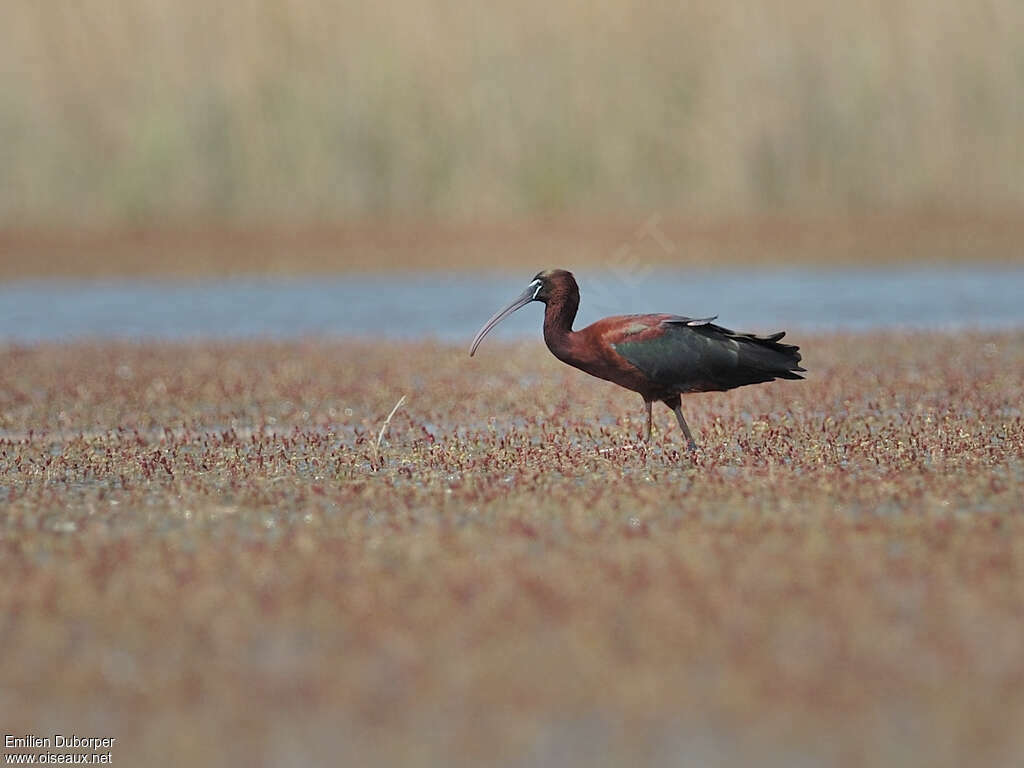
(678, 410)
(650, 420)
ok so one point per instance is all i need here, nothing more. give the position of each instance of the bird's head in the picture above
(553, 283)
(549, 285)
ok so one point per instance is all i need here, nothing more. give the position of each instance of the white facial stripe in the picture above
(536, 290)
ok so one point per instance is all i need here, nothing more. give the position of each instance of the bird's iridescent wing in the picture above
(699, 356)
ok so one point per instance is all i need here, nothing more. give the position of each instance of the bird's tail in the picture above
(764, 354)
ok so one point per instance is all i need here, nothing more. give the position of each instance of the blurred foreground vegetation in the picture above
(298, 111)
(208, 552)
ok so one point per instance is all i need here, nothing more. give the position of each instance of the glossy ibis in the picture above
(659, 356)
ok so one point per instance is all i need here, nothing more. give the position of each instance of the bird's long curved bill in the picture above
(525, 298)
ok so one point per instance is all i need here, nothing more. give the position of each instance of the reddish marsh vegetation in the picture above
(204, 553)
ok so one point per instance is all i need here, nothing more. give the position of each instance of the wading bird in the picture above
(659, 356)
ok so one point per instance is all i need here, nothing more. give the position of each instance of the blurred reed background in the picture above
(301, 113)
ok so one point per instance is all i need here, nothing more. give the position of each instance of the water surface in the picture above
(452, 307)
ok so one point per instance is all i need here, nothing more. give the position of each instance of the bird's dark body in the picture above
(680, 355)
(659, 356)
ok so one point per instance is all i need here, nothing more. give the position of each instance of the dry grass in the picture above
(301, 110)
(203, 555)
(581, 243)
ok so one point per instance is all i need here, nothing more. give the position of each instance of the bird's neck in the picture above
(558, 318)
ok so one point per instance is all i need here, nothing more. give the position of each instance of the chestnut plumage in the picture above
(659, 356)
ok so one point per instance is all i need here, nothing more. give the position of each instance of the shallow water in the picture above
(452, 307)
